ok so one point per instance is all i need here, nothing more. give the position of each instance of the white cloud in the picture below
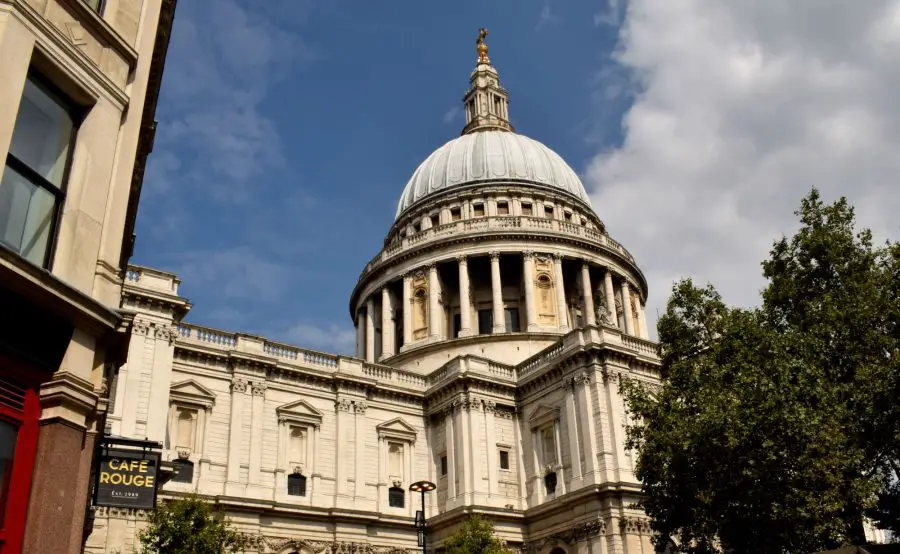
(611, 15)
(452, 114)
(328, 337)
(742, 107)
(547, 19)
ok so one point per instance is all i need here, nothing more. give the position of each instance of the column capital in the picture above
(528, 254)
(495, 255)
(238, 384)
(258, 388)
(432, 266)
(557, 257)
(462, 259)
(585, 264)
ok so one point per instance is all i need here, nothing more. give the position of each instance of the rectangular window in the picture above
(396, 497)
(567, 216)
(548, 211)
(504, 459)
(485, 321)
(435, 220)
(526, 208)
(478, 210)
(455, 214)
(444, 465)
(37, 166)
(512, 319)
(296, 485)
(502, 208)
(457, 324)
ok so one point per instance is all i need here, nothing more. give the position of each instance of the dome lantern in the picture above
(486, 101)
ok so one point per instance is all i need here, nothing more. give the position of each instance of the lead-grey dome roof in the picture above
(488, 157)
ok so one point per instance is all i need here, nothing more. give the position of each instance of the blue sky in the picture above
(288, 130)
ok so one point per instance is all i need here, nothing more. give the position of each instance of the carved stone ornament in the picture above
(495, 255)
(163, 333)
(238, 385)
(490, 406)
(398, 483)
(140, 327)
(462, 259)
(582, 379)
(259, 388)
(528, 254)
(610, 376)
(184, 453)
(551, 468)
(635, 525)
(343, 404)
(602, 309)
(359, 407)
(297, 470)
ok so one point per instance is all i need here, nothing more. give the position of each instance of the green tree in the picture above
(775, 428)
(475, 536)
(190, 526)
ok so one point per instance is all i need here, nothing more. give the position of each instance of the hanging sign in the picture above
(126, 478)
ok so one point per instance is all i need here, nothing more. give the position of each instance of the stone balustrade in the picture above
(496, 223)
(151, 279)
(292, 356)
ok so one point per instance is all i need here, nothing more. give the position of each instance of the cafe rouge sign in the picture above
(126, 478)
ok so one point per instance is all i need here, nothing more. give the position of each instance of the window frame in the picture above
(302, 482)
(77, 114)
(500, 455)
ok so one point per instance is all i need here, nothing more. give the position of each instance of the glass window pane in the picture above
(512, 320)
(8, 435)
(42, 133)
(26, 216)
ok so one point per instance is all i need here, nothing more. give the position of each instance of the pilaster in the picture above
(490, 433)
(571, 427)
(233, 485)
(258, 396)
(342, 407)
(360, 458)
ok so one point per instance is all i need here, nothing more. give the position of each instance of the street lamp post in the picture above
(421, 487)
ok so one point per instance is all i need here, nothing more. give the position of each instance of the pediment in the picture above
(397, 428)
(543, 414)
(191, 391)
(300, 410)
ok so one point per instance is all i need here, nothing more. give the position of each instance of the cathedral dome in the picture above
(490, 158)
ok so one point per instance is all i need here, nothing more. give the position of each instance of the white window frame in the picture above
(399, 431)
(299, 414)
(546, 417)
(189, 395)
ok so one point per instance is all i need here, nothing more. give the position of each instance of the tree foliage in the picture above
(190, 526)
(775, 428)
(475, 536)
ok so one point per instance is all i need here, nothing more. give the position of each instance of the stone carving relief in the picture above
(343, 405)
(359, 407)
(259, 388)
(579, 532)
(239, 385)
(281, 545)
(635, 525)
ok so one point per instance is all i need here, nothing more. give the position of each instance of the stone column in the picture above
(473, 468)
(582, 384)
(360, 335)
(235, 432)
(359, 476)
(387, 323)
(450, 442)
(342, 411)
(528, 277)
(258, 390)
(370, 329)
(571, 427)
(626, 308)
(590, 317)
(610, 298)
(490, 434)
(465, 311)
(407, 310)
(561, 311)
(642, 321)
(497, 294)
(434, 303)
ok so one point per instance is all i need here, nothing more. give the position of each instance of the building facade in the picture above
(78, 86)
(493, 330)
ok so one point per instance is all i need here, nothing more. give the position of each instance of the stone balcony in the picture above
(497, 225)
(287, 357)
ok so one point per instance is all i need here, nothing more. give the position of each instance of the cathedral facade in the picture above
(493, 330)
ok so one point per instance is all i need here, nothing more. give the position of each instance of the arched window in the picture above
(396, 497)
(557, 550)
(296, 484)
(184, 471)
